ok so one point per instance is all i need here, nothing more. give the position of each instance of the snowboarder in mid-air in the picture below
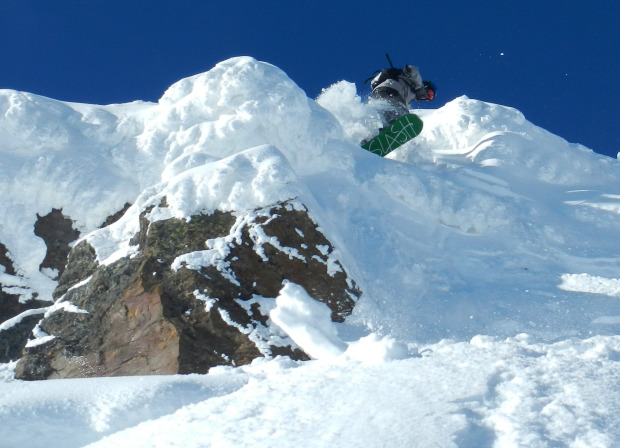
(393, 89)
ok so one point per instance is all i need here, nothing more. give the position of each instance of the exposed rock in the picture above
(116, 216)
(57, 231)
(81, 264)
(196, 295)
(13, 338)
(6, 261)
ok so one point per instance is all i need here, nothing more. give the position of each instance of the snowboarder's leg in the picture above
(389, 105)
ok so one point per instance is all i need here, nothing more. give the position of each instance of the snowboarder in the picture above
(394, 88)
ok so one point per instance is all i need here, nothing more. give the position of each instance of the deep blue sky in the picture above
(558, 62)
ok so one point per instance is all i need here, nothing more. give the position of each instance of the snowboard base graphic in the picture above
(400, 132)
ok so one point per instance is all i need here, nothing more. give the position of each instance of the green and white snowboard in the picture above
(400, 132)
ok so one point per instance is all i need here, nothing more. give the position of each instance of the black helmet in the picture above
(430, 89)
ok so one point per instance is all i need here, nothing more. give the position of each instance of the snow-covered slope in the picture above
(487, 251)
(489, 217)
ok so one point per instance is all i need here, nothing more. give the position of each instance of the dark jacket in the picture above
(406, 85)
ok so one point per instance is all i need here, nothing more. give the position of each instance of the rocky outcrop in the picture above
(57, 231)
(196, 295)
(5, 261)
(18, 314)
(16, 323)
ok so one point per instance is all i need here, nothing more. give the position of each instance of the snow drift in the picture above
(486, 250)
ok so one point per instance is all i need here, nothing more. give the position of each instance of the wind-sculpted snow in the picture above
(238, 105)
(487, 251)
(251, 179)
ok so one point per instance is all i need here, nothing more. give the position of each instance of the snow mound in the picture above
(307, 322)
(374, 349)
(239, 104)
